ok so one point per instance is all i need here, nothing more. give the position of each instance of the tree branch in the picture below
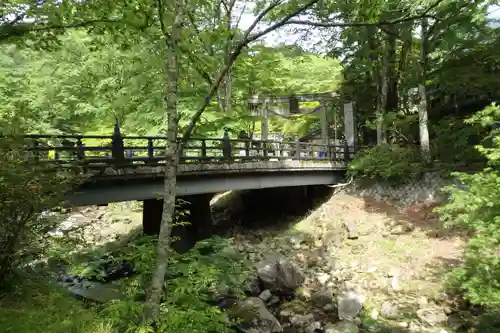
(424, 14)
(241, 14)
(282, 22)
(194, 60)
(207, 48)
(247, 38)
(18, 30)
(360, 24)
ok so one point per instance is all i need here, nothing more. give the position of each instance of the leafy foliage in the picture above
(26, 191)
(194, 279)
(387, 163)
(475, 207)
(80, 81)
(35, 304)
(454, 140)
(85, 85)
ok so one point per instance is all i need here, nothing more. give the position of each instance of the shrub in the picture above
(193, 281)
(453, 141)
(26, 191)
(476, 207)
(387, 163)
(35, 305)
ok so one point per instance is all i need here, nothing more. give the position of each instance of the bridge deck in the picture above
(144, 171)
(131, 168)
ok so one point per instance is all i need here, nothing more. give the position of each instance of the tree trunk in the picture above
(152, 305)
(392, 99)
(381, 105)
(377, 77)
(402, 66)
(228, 92)
(422, 107)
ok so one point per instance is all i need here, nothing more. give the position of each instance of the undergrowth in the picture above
(38, 305)
(388, 162)
(194, 279)
(476, 207)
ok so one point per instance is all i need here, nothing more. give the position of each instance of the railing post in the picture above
(226, 146)
(151, 154)
(297, 148)
(117, 146)
(347, 156)
(80, 149)
(36, 152)
(180, 148)
(247, 148)
(264, 149)
(203, 148)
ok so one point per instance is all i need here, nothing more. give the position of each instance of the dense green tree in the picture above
(187, 67)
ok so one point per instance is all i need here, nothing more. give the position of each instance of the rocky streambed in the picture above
(348, 265)
(353, 265)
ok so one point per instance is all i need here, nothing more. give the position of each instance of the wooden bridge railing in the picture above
(150, 150)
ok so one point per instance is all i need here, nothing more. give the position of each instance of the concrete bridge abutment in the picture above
(193, 209)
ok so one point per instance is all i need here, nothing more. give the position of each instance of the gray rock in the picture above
(322, 298)
(285, 314)
(95, 291)
(302, 320)
(389, 310)
(279, 274)
(398, 230)
(403, 324)
(342, 327)
(255, 317)
(414, 328)
(329, 308)
(323, 278)
(431, 315)
(314, 327)
(273, 300)
(265, 295)
(351, 230)
(350, 304)
(454, 321)
(253, 287)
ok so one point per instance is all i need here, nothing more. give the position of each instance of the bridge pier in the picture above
(198, 215)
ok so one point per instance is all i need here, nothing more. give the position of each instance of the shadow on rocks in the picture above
(275, 208)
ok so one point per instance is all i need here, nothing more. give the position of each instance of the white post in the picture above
(324, 125)
(350, 126)
(264, 129)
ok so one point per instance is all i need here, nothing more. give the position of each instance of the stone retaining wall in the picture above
(425, 190)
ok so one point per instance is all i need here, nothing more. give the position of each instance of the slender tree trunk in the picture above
(152, 306)
(402, 66)
(392, 100)
(383, 89)
(228, 86)
(378, 78)
(228, 92)
(422, 107)
(381, 107)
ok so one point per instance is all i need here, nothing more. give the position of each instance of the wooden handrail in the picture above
(150, 150)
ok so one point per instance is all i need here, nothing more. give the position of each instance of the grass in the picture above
(37, 305)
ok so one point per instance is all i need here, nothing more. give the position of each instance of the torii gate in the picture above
(260, 106)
